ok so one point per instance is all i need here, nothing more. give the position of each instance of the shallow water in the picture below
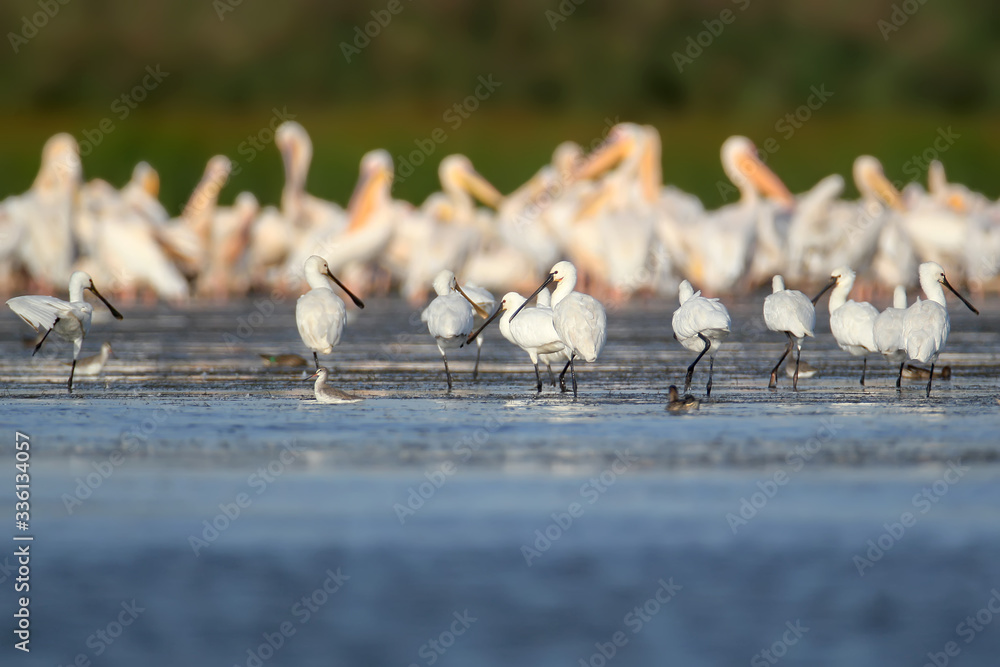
(548, 520)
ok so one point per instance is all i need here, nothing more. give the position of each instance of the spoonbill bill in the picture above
(793, 314)
(450, 316)
(926, 324)
(700, 325)
(69, 319)
(579, 319)
(851, 322)
(483, 298)
(325, 394)
(319, 313)
(533, 332)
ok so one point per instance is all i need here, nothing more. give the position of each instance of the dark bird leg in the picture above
(690, 373)
(447, 373)
(552, 376)
(562, 377)
(899, 378)
(316, 359)
(929, 380)
(864, 369)
(795, 378)
(708, 387)
(39, 346)
(538, 379)
(475, 369)
(72, 369)
(572, 371)
(773, 384)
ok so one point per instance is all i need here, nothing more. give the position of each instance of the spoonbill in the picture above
(325, 394)
(544, 301)
(675, 403)
(851, 322)
(793, 314)
(700, 325)
(483, 298)
(449, 317)
(888, 332)
(319, 313)
(926, 324)
(579, 319)
(69, 319)
(533, 332)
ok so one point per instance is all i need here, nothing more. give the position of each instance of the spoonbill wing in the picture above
(40, 312)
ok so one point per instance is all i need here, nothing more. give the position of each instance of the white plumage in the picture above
(793, 314)
(700, 325)
(449, 317)
(319, 313)
(851, 322)
(888, 331)
(69, 319)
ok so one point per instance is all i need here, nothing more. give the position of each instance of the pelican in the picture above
(793, 314)
(888, 332)
(926, 324)
(69, 319)
(449, 317)
(579, 319)
(319, 313)
(700, 325)
(851, 322)
(325, 394)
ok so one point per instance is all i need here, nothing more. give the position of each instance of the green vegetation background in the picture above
(563, 68)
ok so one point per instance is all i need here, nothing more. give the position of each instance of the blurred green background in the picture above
(898, 72)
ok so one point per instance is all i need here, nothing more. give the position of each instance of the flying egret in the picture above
(579, 319)
(851, 322)
(926, 324)
(69, 319)
(793, 314)
(449, 317)
(325, 394)
(700, 325)
(533, 332)
(319, 313)
(888, 332)
(675, 403)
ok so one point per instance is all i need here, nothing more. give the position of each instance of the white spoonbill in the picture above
(69, 319)
(851, 322)
(793, 314)
(544, 301)
(533, 331)
(319, 313)
(700, 325)
(579, 319)
(449, 317)
(325, 394)
(926, 324)
(888, 332)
